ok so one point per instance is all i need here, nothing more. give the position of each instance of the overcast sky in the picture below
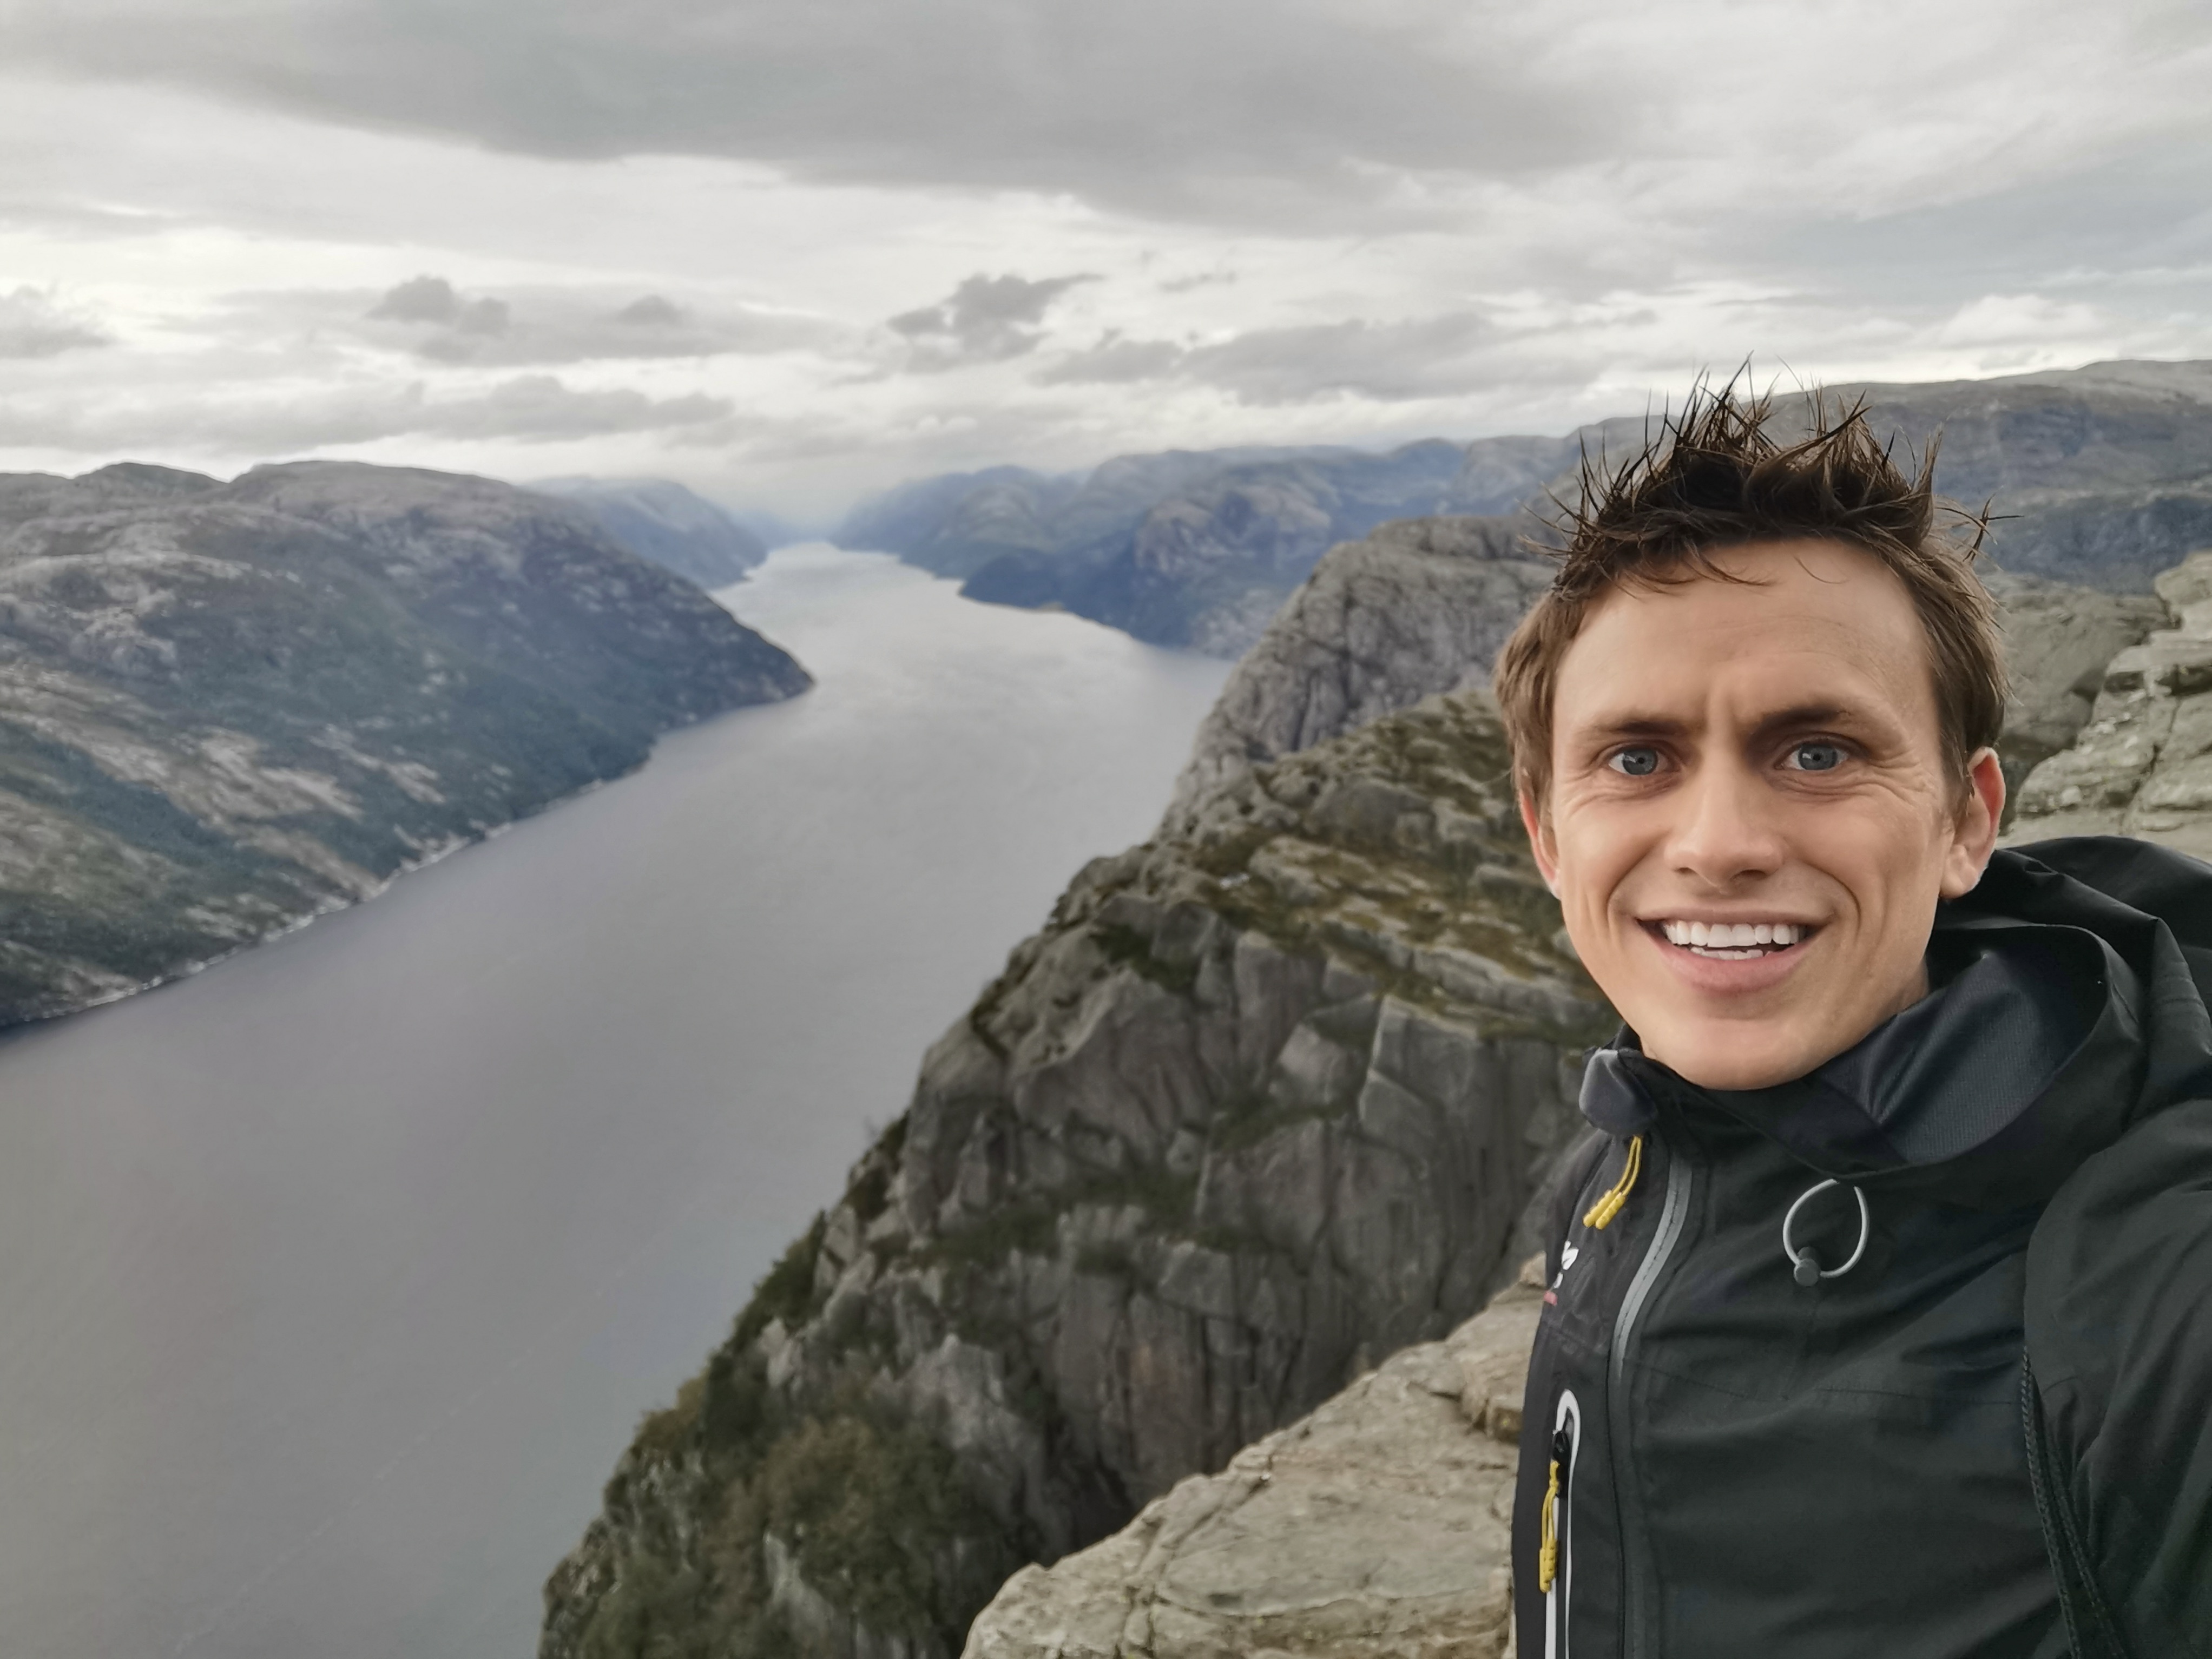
(791, 249)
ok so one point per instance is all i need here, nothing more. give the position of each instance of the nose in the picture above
(1725, 830)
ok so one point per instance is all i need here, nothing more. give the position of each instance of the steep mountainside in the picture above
(1263, 1102)
(225, 707)
(1376, 1528)
(1420, 606)
(666, 523)
(2102, 475)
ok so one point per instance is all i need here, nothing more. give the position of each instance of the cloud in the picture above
(1152, 105)
(984, 319)
(1114, 361)
(429, 319)
(530, 409)
(33, 325)
(1424, 357)
(1433, 356)
(432, 300)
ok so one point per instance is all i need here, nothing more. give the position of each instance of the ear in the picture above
(1974, 836)
(1541, 841)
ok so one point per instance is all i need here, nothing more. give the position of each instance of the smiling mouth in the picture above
(1732, 941)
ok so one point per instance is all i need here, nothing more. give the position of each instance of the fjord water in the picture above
(333, 1279)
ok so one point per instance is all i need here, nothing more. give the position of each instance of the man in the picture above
(1880, 1317)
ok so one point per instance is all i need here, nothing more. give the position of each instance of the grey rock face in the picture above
(664, 522)
(225, 707)
(2142, 766)
(1264, 1102)
(1419, 607)
(2058, 639)
(1377, 1528)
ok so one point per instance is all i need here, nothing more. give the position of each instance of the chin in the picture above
(1723, 1061)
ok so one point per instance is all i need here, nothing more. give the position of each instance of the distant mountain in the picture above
(2101, 477)
(1182, 548)
(664, 522)
(225, 707)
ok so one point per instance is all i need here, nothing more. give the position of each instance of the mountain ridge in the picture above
(227, 708)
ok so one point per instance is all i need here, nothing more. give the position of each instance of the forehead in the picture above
(1806, 620)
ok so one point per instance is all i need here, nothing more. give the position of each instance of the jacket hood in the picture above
(2068, 1002)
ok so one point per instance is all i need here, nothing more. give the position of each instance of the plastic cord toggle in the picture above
(1804, 1266)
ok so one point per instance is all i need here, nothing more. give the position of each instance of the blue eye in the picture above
(1636, 763)
(1817, 756)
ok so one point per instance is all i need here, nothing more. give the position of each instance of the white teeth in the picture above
(1737, 939)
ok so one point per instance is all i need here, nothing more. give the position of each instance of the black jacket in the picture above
(1992, 1435)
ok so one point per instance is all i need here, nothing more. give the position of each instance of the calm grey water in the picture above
(333, 1279)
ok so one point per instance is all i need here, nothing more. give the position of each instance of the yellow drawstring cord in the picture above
(1548, 1556)
(1601, 1214)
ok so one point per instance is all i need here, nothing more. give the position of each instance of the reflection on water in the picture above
(332, 1282)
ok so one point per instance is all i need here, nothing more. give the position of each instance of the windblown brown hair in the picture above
(1713, 477)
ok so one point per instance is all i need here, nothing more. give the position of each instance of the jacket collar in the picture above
(2059, 1014)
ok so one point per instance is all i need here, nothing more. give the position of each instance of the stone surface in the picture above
(1265, 1102)
(2142, 765)
(1419, 607)
(227, 708)
(1377, 1528)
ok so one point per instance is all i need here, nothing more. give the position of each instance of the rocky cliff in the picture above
(1376, 1528)
(2142, 764)
(664, 522)
(1263, 1103)
(226, 707)
(1419, 606)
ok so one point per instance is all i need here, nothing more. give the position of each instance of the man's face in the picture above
(1761, 758)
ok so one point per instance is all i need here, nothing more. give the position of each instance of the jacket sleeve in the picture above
(2118, 1319)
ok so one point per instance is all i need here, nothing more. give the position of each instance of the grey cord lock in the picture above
(1804, 1266)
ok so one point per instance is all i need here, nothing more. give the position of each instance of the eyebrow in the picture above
(1797, 718)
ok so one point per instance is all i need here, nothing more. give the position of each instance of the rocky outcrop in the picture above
(2142, 765)
(1263, 1103)
(663, 521)
(2058, 639)
(1377, 1528)
(1419, 606)
(227, 708)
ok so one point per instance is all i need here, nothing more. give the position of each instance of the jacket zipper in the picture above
(1555, 1571)
(2091, 1632)
(1636, 1617)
